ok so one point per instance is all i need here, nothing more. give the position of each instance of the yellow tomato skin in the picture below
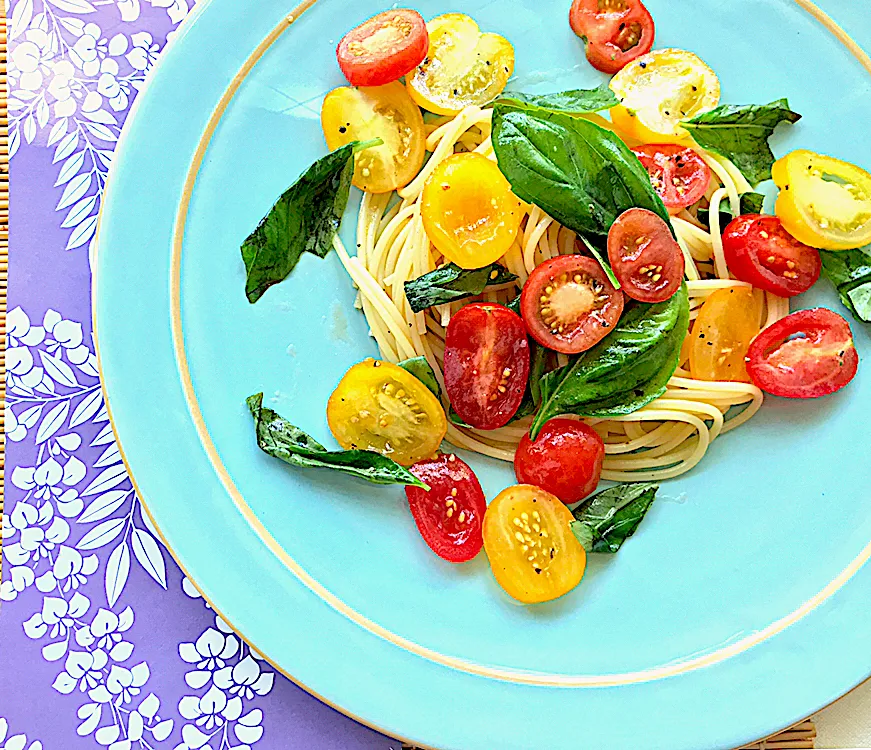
(468, 210)
(659, 90)
(532, 551)
(381, 407)
(823, 202)
(463, 66)
(385, 112)
(728, 321)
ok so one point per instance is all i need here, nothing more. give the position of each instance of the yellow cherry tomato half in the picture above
(385, 112)
(469, 212)
(728, 321)
(533, 553)
(463, 66)
(380, 407)
(823, 202)
(659, 90)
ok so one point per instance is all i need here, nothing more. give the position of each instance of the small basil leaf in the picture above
(577, 101)
(514, 305)
(740, 134)
(607, 519)
(451, 283)
(280, 439)
(751, 203)
(421, 369)
(850, 272)
(456, 419)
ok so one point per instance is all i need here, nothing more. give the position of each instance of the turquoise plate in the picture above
(741, 605)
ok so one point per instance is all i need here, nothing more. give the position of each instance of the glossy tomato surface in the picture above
(807, 354)
(450, 514)
(383, 48)
(569, 304)
(678, 174)
(615, 31)
(486, 364)
(565, 459)
(761, 252)
(644, 256)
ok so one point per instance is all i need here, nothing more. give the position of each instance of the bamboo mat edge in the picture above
(799, 737)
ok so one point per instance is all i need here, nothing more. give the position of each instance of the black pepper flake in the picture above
(343, 129)
(701, 335)
(667, 113)
(643, 64)
(456, 93)
(551, 553)
(488, 62)
(537, 570)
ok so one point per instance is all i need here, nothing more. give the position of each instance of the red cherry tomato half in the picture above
(486, 364)
(565, 459)
(568, 304)
(678, 174)
(761, 252)
(644, 256)
(615, 31)
(450, 515)
(384, 48)
(804, 355)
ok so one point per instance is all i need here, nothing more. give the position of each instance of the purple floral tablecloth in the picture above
(103, 642)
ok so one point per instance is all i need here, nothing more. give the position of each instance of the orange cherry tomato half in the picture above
(533, 553)
(383, 48)
(615, 31)
(723, 330)
(565, 459)
(486, 364)
(644, 256)
(678, 174)
(449, 516)
(569, 305)
(761, 252)
(804, 355)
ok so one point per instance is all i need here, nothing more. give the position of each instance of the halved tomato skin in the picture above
(678, 174)
(569, 304)
(760, 251)
(807, 354)
(450, 515)
(383, 48)
(486, 364)
(616, 31)
(644, 256)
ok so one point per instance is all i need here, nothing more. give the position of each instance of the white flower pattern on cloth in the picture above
(10, 741)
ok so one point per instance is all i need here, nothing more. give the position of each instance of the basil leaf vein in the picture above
(608, 518)
(280, 439)
(451, 283)
(576, 101)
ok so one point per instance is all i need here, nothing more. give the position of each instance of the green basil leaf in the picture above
(577, 101)
(456, 419)
(279, 438)
(740, 133)
(304, 219)
(451, 283)
(751, 203)
(421, 369)
(850, 272)
(577, 172)
(624, 371)
(608, 518)
(606, 267)
(514, 305)
(537, 363)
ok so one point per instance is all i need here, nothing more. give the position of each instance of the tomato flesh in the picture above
(565, 459)
(532, 551)
(569, 304)
(805, 355)
(761, 252)
(616, 31)
(378, 406)
(644, 256)
(722, 332)
(678, 174)
(383, 48)
(486, 364)
(450, 515)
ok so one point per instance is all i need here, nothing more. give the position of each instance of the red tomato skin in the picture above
(454, 488)
(596, 325)
(606, 32)
(565, 459)
(628, 258)
(758, 250)
(482, 343)
(667, 161)
(363, 67)
(807, 354)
